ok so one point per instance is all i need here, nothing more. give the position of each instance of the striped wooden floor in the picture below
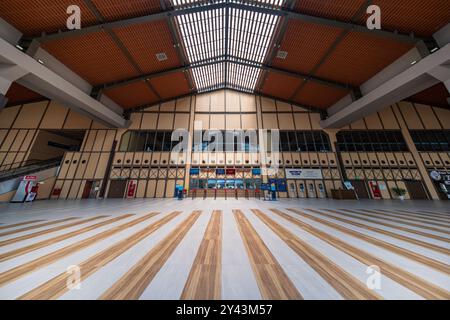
(226, 250)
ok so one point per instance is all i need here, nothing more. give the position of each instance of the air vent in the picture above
(282, 54)
(161, 56)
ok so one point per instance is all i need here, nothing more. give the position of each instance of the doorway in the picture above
(91, 189)
(117, 188)
(360, 189)
(416, 190)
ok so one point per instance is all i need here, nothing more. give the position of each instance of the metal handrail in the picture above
(17, 172)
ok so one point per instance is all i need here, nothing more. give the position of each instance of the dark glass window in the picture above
(147, 141)
(298, 141)
(371, 141)
(431, 140)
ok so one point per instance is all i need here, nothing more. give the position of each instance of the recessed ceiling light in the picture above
(161, 56)
(40, 61)
(282, 54)
(19, 47)
(434, 49)
(414, 62)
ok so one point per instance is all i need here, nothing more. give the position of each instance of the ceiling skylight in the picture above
(237, 40)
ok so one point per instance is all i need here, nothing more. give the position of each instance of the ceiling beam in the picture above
(227, 59)
(167, 14)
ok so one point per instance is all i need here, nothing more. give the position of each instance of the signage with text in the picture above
(306, 174)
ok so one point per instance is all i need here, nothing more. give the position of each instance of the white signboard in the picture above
(306, 174)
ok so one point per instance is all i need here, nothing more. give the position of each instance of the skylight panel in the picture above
(236, 38)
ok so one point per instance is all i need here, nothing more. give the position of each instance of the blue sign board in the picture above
(194, 171)
(220, 172)
(256, 172)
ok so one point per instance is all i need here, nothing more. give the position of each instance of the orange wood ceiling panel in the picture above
(423, 17)
(32, 17)
(319, 95)
(132, 95)
(123, 9)
(144, 41)
(171, 85)
(18, 94)
(94, 57)
(280, 85)
(358, 57)
(305, 44)
(343, 10)
(437, 96)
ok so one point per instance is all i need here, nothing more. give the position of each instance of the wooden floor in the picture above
(224, 249)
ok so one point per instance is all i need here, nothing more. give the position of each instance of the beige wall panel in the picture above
(229, 158)
(181, 121)
(65, 189)
(77, 121)
(9, 158)
(443, 116)
(30, 115)
(184, 104)
(391, 158)
(365, 161)
(149, 120)
(410, 115)
(119, 158)
(58, 185)
(109, 139)
(20, 156)
(151, 188)
(332, 159)
(233, 121)
(135, 119)
(6, 197)
(232, 101)
(358, 125)
(337, 184)
(74, 189)
(428, 117)
(283, 106)
(89, 139)
(355, 159)
(17, 143)
(9, 140)
(3, 134)
(402, 185)
(83, 162)
(382, 159)
(248, 103)
(54, 117)
(65, 165)
(27, 143)
(296, 159)
(45, 189)
(401, 159)
(99, 140)
(165, 158)
(249, 121)
(81, 189)
(302, 121)
(410, 159)
(165, 121)
(168, 106)
(7, 116)
(217, 121)
(101, 166)
(323, 159)
(270, 121)
(140, 192)
(203, 102)
(373, 122)
(137, 161)
(388, 119)
(436, 159)
(315, 121)
(201, 121)
(218, 101)
(128, 158)
(446, 158)
(160, 189)
(170, 189)
(384, 189)
(427, 159)
(287, 159)
(373, 159)
(267, 104)
(346, 159)
(91, 166)
(286, 121)
(73, 166)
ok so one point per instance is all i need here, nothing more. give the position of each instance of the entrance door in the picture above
(301, 189)
(292, 189)
(117, 188)
(87, 190)
(360, 189)
(416, 190)
(311, 186)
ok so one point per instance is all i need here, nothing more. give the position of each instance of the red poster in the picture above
(231, 172)
(375, 190)
(131, 188)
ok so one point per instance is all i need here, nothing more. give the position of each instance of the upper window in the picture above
(431, 140)
(304, 141)
(371, 141)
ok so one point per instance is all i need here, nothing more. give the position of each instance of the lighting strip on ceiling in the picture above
(249, 36)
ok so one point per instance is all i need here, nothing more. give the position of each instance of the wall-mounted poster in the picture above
(306, 174)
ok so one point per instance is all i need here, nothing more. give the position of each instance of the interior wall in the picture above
(224, 110)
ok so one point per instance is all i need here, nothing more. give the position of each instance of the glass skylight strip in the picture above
(242, 77)
(187, 3)
(203, 34)
(209, 77)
